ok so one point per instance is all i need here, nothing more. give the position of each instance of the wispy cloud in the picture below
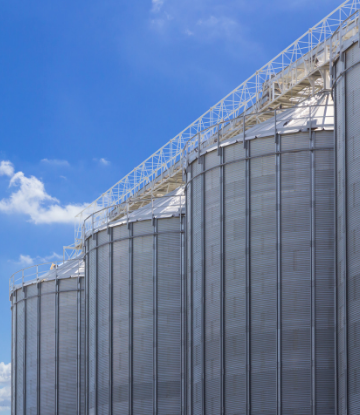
(200, 19)
(31, 199)
(157, 5)
(102, 161)
(5, 372)
(6, 168)
(27, 260)
(5, 389)
(55, 162)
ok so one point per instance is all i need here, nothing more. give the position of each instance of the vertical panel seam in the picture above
(203, 284)
(111, 246)
(247, 273)
(222, 285)
(278, 248)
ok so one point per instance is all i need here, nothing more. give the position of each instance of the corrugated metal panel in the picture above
(263, 278)
(341, 257)
(103, 327)
(20, 324)
(324, 139)
(121, 322)
(212, 285)
(142, 228)
(169, 317)
(47, 349)
(68, 347)
(143, 321)
(235, 281)
(142, 347)
(295, 314)
(353, 220)
(324, 270)
(295, 142)
(13, 352)
(82, 347)
(31, 360)
(92, 278)
(189, 270)
(31, 349)
(296, 279)
(196, 287)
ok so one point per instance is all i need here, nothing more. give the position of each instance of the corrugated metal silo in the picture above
(260, 243)
(347, 103)
(48, 339)
(135, 273)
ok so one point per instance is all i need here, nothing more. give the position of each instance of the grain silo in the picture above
(346, 78)
(135, 276)
(260, 243)
(48, 339)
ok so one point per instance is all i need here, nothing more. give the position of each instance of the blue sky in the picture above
(89, 89)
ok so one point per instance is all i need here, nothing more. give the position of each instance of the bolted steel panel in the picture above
(278, 240)
(136, 280)
(347, 94)
(43, 370)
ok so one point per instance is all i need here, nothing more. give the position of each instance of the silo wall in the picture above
(260, 266)
(134, 295)
(347, 100)
(48, 344)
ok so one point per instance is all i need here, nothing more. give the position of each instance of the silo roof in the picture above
(72, 268)
(163, 207)
(317, 112)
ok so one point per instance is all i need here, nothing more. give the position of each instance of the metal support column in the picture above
(203, 276)
(87, 359)
(111, 249)
(155, 317)
(312, 273)
(247, 272)
(191, 294)
(96, 321)
(14, 358)
(78, 356)
(38, 348)
(345, 241)
(278, 266)
(222, 284)
(183, 311)
(56, 344)
(131, 242)
(24, 351)
(336, 314)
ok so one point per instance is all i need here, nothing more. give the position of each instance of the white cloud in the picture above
(30, 198)
(5, 372)
(5, 390)
(104, 162)
(56, 162)
(26, 260)
(6, 168)
(157, 5)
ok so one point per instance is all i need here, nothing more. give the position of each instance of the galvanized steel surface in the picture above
(134, 299)
(261, 277)
(347, 96)
(48, 344)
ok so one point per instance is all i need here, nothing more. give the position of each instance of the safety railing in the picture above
(45, 271)
(155, 206)
(308, 54)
